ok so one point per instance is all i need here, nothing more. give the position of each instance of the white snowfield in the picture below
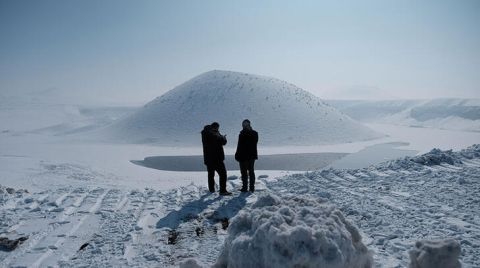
(284, 113)
(393, 205)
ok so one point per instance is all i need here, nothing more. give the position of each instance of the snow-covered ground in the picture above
(393, 204)
(88, 205)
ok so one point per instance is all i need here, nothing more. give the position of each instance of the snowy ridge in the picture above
(456, 114)
(282, 112)
(393, 204)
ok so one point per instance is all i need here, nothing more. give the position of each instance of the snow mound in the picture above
(471, 152)
(283, 113)
(292, 232)
(437, 157)
(435, 254)
(432, 158)
(6, 194)
(190, 263)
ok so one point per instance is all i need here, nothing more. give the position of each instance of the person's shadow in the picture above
(192, 209)
(229, 209)
(189, 211)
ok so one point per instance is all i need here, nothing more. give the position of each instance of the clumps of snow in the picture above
(7, 193)
(6, 190)
(432, 158)
(437, 157)
(471, 152)
(190, 263)
(7, 244)
(435, 254)
(292, 232)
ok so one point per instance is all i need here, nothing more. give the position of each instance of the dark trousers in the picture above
(222, 172)
(248, 172)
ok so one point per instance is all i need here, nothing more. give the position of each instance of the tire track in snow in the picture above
(72, 231)
(29, 250)
(137, 222)
(114, 242)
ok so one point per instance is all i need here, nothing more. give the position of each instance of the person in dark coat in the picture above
(213, 156)
(246, 155)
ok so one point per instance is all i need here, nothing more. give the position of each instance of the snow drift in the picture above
(292, 232)
(434, 157)
(281, 112)
(435, 254)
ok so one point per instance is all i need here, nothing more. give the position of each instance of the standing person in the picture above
(213, 156)
(246, 155)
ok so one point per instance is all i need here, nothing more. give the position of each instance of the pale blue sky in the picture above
(136, 50)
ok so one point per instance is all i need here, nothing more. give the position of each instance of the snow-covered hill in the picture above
(456, 114)
(393, 205)
(281, 112)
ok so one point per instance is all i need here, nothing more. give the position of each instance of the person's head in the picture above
(246, 124)
(215, 126)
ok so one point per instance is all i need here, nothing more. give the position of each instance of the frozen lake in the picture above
(36, 161)
(400, 141)
(372, 155)
(291, 162)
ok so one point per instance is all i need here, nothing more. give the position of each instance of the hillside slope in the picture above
(281, 112)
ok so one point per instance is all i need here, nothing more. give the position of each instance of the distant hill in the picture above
(456, 114)
(284, 114)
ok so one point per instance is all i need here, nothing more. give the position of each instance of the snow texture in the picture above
(282, 112)
(393, 205)
(190, 263)
(399, 202)
(437, 157)
(434, 157)
(292, 232)
(435, 254)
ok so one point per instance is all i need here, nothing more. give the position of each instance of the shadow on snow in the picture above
(193, 209)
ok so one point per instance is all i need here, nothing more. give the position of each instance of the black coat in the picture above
(212, 143)
(247, 145)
